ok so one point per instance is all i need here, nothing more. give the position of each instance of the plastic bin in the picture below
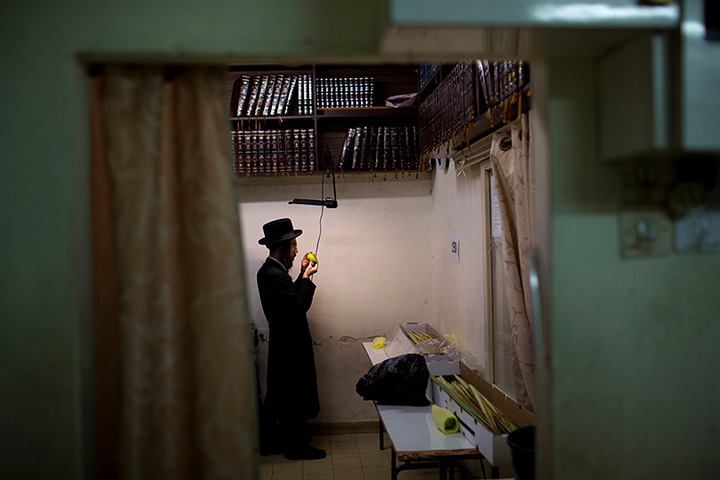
(522, 448)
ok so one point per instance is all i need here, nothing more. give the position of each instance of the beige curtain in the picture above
(174, 369)
(511, 160)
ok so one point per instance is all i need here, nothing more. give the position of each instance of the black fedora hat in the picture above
(278, 231)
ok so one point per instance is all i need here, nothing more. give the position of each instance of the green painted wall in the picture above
(634, 342)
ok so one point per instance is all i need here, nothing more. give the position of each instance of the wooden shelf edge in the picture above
(365, 112)
(340, 178)
(276, 118)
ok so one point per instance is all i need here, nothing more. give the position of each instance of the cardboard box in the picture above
(438, 364)
(493, 447)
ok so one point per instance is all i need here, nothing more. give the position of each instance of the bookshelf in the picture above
(463, 102)
(290, 136)
(283, 118)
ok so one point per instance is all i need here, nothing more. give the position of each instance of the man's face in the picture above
(288, 253)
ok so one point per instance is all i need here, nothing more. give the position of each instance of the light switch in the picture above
(644, 233)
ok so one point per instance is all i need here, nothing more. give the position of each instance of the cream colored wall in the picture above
(375, 272)
(633, 390)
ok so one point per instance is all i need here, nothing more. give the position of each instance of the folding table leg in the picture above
(393, 465)
(382, 436)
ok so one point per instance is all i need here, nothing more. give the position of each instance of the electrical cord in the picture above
(322, 211)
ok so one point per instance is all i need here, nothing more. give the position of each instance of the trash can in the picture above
(522, 447)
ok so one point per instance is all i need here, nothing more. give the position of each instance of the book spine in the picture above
(342, 162)
(371, 92)
(386, 147)
(296, 149)
(267, 98)
(344, 93)
(408, 149)
(364, 149)
(261, 151)
(274, 150)
(311, 150)
(356, 149)
(284, 93)
(319, 92)
(276, 94)
(253, 151)
(242, 94)
(252, 96)
(261, 95)
(267, 102)
(360, 92)
(287, 150)
(414, 139)
(304, 150)
(395, 148)
(311, 96)
(378, 149)
(308, 95)
(245, 152)
(237, 144)
(236, 153)
(301, 94)
(372, 146)
(402, 148)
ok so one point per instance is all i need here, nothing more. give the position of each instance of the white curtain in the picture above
(175, 377)
(511, 160)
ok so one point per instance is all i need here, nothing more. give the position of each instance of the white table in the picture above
(415, 438)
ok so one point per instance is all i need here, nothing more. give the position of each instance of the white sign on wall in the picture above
(454, 249)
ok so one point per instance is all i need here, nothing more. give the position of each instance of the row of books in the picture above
(380, 148)
(345, 92)
(448, 108)
(273, 151)
(499, 80)
(271, 95)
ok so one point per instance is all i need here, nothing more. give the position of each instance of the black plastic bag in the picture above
(399, 380)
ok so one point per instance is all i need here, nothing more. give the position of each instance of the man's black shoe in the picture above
(308, 453)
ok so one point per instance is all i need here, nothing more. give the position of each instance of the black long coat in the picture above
(291, 376)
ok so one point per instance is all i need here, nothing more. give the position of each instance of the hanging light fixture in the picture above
(327, 201)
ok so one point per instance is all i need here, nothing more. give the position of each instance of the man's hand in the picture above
(304, 263)
(309, 268)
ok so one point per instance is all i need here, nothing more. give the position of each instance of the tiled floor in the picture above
(350, 457)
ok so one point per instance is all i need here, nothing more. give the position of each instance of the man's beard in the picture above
(287, 260)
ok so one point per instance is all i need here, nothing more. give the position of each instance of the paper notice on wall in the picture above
(454, 249)
(494, 210)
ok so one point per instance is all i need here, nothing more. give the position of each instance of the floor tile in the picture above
(288, 467)
(376, 471)
(318, 464)
(353, 462)
(287, 475)
(318, 474)
(348, 473)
